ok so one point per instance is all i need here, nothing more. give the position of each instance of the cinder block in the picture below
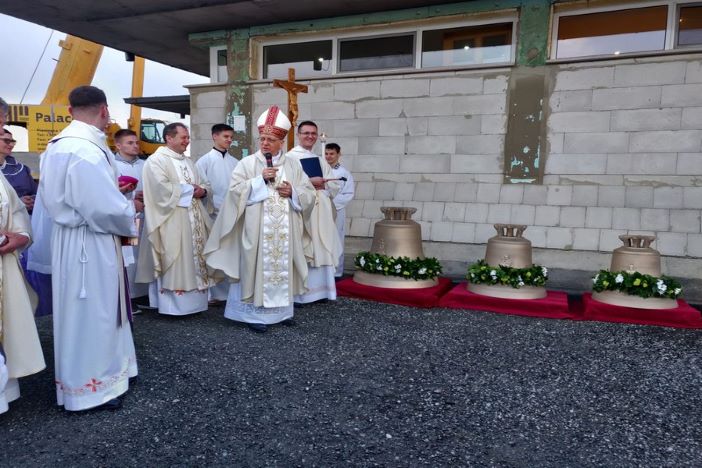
(466, 192)
(454, 125)
(535, 194)
(547, 215)
(364, 190)
(496, 85)
(559, 195)
(512, 194)
(655, 219)
(483, 232)
(639, 197)
(463, 232)
(493, 124)
(537, 236)
(393, 127)
(355, 128)
(649, 74)
(596, 143)
(642, 163)
(425, 164)
(611, 195)
(476, 164)
(585, 78)
(444, 191)
(559, 238)
(626, 98)
(433, 211)
(378, 108)
(371, 209)
(384, 191)
(668, 197)
(455, 86)
(685, 221)
(479, 104)
(375, 163)
(431, 144)
(691, 118)
(694, 245)
(454, 212)
(646, 119)
(404, 88)
(626, 218)
(577, 122)
(585, 195)
(692, 197)
(693, 73)
(316, 92)
(382, 145)
(569, 101)
(424, 191)
(684, 95)
(665, 141)
(671, 243)
(355, 90)
(403, 191)
(480, 144)
(419, 206)
(354, 209)
(477, 213)
(586, 239)
(609, 240)
(499, 214)
(417, 126)
(572, 216)
(332, 110)
(419, 107)
(523, 214)
(488, 193)
(216, 99)
(441, 231)
(598, 217)
(360, 227)
(563, 164)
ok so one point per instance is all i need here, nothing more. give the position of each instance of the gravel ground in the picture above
(367, 384)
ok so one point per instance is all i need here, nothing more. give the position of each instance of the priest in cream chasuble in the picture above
(171, 255)
(256, 240)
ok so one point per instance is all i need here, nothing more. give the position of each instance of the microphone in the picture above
(269, 161)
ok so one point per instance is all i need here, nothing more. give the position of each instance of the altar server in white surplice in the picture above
(332, 153)
(257, 237)
(129, 164)
(93, 347)
(216, 167)
(20, 351)
(171, 255)
(321, 240)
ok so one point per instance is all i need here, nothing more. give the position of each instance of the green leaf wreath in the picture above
(637, 284)
(482, 273)
(404, 267)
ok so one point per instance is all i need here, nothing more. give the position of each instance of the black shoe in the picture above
(299, 304)
(113, 404)
(258, 327)
(133, 380)
(289, 322)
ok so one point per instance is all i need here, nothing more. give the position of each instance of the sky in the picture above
(22, 46)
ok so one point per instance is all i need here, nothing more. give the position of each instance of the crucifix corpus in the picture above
(292, 89)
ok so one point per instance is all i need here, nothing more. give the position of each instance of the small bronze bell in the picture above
(635, 255)
(396, 236)
(508, 248)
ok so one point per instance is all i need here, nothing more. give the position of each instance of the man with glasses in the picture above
(321, 241)
(257, 237)
(16, 173)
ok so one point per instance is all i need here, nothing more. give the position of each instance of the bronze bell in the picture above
(396, 236)
(508, 248)
(635, 255)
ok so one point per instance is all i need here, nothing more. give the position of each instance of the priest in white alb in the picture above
(332, 153)
(257, 237)
(93, 347)
(177, 223)
(321, 240)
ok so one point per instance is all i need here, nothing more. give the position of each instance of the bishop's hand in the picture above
(12, 242)
(284, 189)
(269, 173)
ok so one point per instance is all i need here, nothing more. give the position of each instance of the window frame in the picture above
(417, 28)
(671, 32)
(214, 67)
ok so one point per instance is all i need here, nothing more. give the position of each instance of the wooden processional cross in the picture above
(292, 89)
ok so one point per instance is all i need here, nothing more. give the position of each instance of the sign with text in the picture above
(42, 122)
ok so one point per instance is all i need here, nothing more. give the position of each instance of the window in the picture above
(467, 46)
(218, 64)
(309, 59)
(626, 29)
(376, 53)
(690, 26)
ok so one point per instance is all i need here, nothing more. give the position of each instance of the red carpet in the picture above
(685, 316)
(424, 297)
(554, 305)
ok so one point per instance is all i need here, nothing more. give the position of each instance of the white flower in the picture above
(619, 278)
(377, 260)
(422, 271)
(398, 267)
(493, 273)
(597, 276)
(379, 267)
(661, 286)
(472, 275)
(677, 291)
(362, 261)
(521, 283)
(544, 271)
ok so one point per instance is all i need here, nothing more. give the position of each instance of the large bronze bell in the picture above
(396, 236)
(508, 248)
(635, 255)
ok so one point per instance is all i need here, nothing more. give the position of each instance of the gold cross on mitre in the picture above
(292, 89)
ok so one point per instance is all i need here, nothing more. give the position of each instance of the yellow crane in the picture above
(76, 66)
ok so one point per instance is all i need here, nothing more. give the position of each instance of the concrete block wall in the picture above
(207, 103)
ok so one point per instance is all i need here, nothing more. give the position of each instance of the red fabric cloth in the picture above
(684, 316)
(554, 305)
(424, 297)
